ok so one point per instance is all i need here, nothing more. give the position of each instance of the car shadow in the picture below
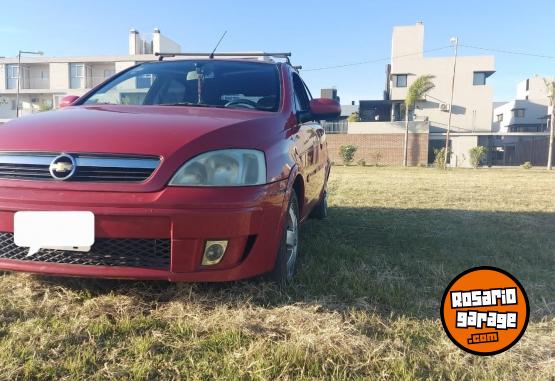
(386, 260)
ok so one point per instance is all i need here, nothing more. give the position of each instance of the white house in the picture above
(472, 101)
(44, 80)
(527, 112)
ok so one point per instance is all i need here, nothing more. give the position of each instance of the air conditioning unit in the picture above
(444, 107)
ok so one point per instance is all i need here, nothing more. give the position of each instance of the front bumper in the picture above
(249, 217)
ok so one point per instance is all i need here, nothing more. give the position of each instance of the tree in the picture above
(416, 91)
(551, 94)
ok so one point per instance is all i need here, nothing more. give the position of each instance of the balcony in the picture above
(32, 77)
(89, 75)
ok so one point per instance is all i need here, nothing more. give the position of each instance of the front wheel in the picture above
(286, 261)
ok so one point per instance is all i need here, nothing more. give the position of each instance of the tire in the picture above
(288, 252)
(320, 211)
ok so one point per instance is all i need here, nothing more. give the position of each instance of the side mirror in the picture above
(68, 100)
(325, 109)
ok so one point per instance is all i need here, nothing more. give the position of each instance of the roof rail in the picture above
(287, 56)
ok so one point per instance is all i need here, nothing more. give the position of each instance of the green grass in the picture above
(365, 304)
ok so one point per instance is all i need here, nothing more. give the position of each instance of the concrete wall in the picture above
(537, 89)
(472, 104)
(59, 76)
(381, 149)
(460, 150)
(162, 44)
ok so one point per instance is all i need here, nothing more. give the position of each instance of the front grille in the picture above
(89, 168)
(145, 253)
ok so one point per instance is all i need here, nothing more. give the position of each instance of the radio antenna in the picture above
(218, 44)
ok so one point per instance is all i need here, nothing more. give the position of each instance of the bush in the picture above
(439, 161)
(361, 162)
(477, 154)
(44, 107)
(354, 117)
(526, 165)
(347, 153)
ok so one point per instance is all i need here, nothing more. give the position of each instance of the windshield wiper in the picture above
(189, 104)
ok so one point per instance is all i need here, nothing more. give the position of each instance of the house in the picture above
(527, 112)
(43, 80)
(521, 125)
(472, 100)
(471, 109)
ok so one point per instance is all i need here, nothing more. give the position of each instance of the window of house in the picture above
(12, 72)
(77, 76)
(519, 112)
(500, 117)
(44, 74)
(479, 78)
(400, 80)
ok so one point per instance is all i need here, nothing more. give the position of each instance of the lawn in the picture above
(364, 306)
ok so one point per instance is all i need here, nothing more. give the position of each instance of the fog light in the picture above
(213, 252)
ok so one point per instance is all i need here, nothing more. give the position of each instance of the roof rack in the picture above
(286, 56)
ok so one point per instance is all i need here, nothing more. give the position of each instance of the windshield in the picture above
(204, 83)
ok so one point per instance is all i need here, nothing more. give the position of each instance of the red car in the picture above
(179, 170)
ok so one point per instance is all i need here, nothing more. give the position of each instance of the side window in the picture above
(302, 100)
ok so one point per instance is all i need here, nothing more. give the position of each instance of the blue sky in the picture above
(322, 33)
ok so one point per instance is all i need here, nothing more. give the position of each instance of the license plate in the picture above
(72, 231)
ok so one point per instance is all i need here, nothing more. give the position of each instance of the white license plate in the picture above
(72, 231)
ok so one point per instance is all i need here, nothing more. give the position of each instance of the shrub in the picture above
(361, 162)
(526, 165)
(439, 160)
(354, 117)
(477, 154)
(44, 107)
(347, 153)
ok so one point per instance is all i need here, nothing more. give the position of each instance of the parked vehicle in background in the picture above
(183, 169)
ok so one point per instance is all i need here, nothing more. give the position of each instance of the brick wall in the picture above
(389, 146)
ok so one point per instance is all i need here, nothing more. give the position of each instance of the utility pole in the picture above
(455, 42)
(550, 85)
(19, 53)
(550, 154)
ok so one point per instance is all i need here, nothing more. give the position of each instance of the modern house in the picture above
(471, 110)
(528, 112)
(521, 125)
(44, 80)
(472, 101)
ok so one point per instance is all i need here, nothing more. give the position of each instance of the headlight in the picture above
(225, 168)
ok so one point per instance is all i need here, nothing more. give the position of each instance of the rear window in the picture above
(203, 83)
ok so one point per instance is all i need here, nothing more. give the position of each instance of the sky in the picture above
(318, 33)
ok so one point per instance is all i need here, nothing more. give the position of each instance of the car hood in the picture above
(136, 130)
